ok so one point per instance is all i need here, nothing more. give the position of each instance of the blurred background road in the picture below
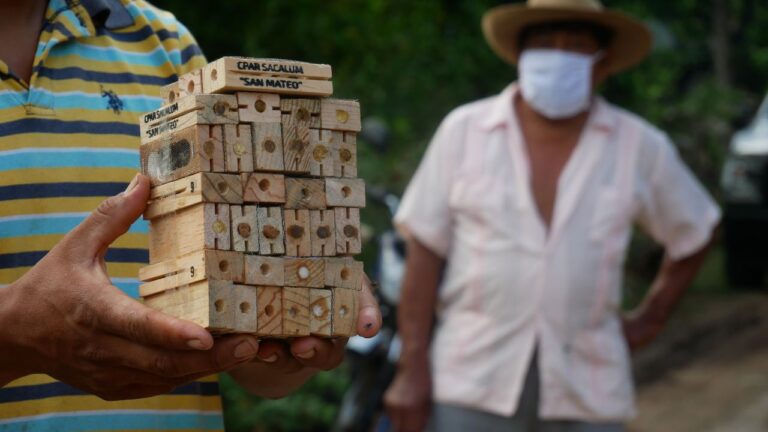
(709, 371)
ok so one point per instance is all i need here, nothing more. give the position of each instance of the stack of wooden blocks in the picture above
(254, 211)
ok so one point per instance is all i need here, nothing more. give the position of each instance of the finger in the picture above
(111, 219)
(318, 353)
(120, 315)
(277, 355)
(369, 316)
(227, 353)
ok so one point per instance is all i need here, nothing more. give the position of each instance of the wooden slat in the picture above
(303, 193)
(271, 232)
(305, 272)
(345, 311)
(238, 148)
(245, 228)
(340, 115)
(348, 240)
(345, 192)
(209, 109)
(344, 273)
(295, 312)
(263, 188)
(264, 270)
(270, 310)
(268, 147)
(297, 234)
(320, 312)
(322, 228)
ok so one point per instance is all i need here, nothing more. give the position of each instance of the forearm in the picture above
(417, 302)
(13, 363)
(671, 283)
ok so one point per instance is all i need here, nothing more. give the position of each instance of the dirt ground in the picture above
(709, 372)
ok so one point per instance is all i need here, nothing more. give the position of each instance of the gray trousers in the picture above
(451, 418)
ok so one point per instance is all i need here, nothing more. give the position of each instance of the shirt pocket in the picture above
(482, 211)
(611, 219)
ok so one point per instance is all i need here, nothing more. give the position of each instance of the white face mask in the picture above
(556, 84)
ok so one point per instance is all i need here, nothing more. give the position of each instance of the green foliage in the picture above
(411, 62)
(312, 409)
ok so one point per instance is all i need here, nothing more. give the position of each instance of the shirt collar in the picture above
(502, 114)
(109, 14)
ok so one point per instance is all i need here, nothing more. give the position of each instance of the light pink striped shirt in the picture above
(510, 286)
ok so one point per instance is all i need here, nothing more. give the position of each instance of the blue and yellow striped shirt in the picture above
(68, 139)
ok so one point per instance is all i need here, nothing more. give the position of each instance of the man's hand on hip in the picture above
(64, 318)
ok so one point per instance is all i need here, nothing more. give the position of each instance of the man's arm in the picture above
(643, 324)
(409, 398)
(282, 367)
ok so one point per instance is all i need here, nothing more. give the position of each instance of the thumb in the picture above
(111, 219)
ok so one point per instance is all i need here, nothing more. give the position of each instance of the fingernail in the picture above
(306, 355)
(270, 359)
(245, 349)
(196, 344)
(132, 185)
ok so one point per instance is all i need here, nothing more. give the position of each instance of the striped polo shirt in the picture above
(69, 139)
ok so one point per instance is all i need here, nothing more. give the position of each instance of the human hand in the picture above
(65, 319)
(408, 399)
(641, 327)
(283, 366)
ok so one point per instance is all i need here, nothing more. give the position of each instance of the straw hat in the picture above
(503, 24)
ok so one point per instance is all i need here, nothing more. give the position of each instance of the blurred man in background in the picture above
(76, 351)
(521, 212)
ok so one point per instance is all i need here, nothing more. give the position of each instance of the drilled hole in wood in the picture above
(219, 227)
(223, 265)
(303, 273)
(302, 114)
(346, 191)
(220, 108)
(323, 232)
(342, 116)
(219, 305)
(269, 310)
(214, 74)
(172, 97)
(318, 310)
(209, 147)
(350, 231)
(298, 145)
(270, 232)
(343, 311)
(191, 87)
(264, 185)
(244, 229)
(223, 187)
(293, 311)
(245, 307)
(345, 274)
(265, 268)
(269, 146)
(345, 155)
(260, 106)
(320, 153)
(295, 231)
